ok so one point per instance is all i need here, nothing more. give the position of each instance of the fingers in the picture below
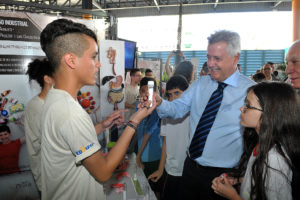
(119, 122)
(226, 180)
(155, 179)
(121, 110)
(151, 176)
(214, 185)
(216, 182)
(154, 176)
(117, 113)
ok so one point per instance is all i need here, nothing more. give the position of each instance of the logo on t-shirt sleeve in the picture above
(83, 149)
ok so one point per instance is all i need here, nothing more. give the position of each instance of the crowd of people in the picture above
(222, 136)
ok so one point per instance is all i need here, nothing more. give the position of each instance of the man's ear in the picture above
(70, 60)
(236, 59)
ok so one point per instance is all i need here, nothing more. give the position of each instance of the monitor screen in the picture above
(130, 48)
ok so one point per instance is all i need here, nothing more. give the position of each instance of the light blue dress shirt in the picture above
(224, 146)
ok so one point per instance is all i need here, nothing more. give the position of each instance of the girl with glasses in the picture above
(269, 166)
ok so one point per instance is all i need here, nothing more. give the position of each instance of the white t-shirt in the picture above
(177, 139)
(131, 93)
(68, 137)
(277, 186)
(33, 136)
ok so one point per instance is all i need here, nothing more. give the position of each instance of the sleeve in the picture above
(279, 178)
(179, 107)
(80, 135)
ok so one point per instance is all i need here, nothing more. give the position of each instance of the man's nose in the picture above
(289, 69)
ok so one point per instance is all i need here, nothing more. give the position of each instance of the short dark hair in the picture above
(148, 70)
(4, 128)
(62, 36)
(177, 81)
(133, 71)
(145, 80)
(185, 69)
(37, 69)
(259, 77)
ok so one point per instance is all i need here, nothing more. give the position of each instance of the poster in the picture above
(112, 72)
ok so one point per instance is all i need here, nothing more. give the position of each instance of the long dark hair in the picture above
(279, 129)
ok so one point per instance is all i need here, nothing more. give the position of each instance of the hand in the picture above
(155, 96)
(139, 162)
(117, 117)
(171, 54)
(155, 176)
(231, 180)
(223, 187)
(144, 109)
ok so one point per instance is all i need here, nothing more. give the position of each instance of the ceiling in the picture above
(127, 8)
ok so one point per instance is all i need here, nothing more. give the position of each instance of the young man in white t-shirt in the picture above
(72, 164)
(132, 92)
(175, 142)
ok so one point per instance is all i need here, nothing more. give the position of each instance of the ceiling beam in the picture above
(97, 13)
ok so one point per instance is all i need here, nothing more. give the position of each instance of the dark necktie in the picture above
(206, 121)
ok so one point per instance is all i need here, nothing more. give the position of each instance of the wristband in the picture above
(132, 125)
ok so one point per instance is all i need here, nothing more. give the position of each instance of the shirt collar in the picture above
(233, 79)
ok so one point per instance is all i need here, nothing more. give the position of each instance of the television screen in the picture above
(130, 48)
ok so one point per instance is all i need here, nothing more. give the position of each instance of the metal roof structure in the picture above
(126, 8)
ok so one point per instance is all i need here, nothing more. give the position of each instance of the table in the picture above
(131, 194)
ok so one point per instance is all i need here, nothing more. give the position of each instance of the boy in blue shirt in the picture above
(149, 140)
(175, 134)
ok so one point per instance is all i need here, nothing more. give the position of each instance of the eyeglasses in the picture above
(247, 106)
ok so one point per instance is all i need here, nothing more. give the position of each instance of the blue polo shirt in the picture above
(151, 126)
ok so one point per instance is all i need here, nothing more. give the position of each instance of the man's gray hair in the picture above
(232, 39)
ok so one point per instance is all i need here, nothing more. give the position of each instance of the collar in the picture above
(233, 80)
